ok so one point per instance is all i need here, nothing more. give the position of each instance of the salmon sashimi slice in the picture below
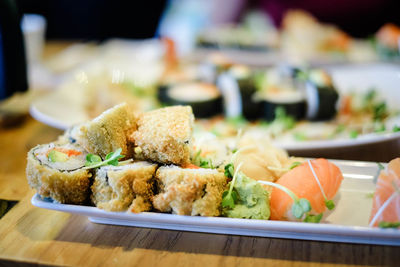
(311, 180)
(386, 202)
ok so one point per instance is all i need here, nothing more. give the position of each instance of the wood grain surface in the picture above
(38, 236)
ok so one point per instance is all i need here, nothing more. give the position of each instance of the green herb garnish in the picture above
(384, 224)
(237, 122)
(369, 195)
(196, 158)
(202, 162)
(313, 218)
(353, 134)
(229, 170)
(330, 204)
(396, 129)
(380, 166)
(94, 161)
(136, 89)
(370, 96)
(379, 127)
(229, 197)
(206, 163)
(300, 136)
(380, 111)
(294, 165)
(281, 117)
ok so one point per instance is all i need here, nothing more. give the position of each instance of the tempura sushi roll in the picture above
(204, 98)
(56, 171)
(108, 132)
(321, 96)
(70, 135)
(189, 191)
(117, 188)
(164, 135)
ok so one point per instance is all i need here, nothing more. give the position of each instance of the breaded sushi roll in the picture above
(70, 135)
(117, 188)
(189, 191)
(56, 171)
(108, 132)
(164, 135)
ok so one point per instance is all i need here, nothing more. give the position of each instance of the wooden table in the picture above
(32, 236)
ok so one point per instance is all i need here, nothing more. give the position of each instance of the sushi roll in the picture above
(56, 171)
(189, 191)
(108, 132)
(162, 92)
(70, 135)
(117, 188)
(251, 108)
(321, 96)
(165, 135)
(292, 101)
(204, 98)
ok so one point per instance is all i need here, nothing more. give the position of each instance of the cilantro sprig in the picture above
(284, 119)
(230, 197)
(206, 163)
(94, 161)
(294, 165)
(229, 170)
(202, 162)
(384, 224)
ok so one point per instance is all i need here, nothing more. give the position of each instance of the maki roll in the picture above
(107, 132)
(164, 135)
(204, 98)
(162, 92)
(247, 87)
(116, 188)
(189, 191)
(70, 135)
(291, 101)
(280, 90)
(321, 96)
(57, 171)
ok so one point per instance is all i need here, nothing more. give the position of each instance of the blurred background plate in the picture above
(64, 108)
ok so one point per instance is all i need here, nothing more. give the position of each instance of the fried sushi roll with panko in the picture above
(117, 188)
(56, 171)
(164, 135)
(189, 191)
(70, 135)
(108, 132)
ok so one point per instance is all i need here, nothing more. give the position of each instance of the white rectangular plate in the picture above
(348, 222)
